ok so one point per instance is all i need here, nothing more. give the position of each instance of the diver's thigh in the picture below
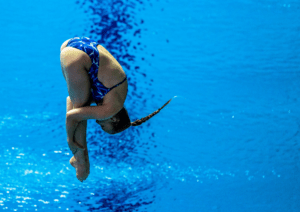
(79, 89)
(77, 79)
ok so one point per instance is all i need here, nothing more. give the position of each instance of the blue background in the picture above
(229, 141)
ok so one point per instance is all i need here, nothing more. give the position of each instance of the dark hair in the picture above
(123, 121)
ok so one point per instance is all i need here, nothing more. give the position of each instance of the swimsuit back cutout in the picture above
(89, 46)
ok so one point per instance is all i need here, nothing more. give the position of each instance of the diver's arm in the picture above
(112, 105)
(100, 112)
(76, 115)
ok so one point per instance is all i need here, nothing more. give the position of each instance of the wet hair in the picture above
(123, 121)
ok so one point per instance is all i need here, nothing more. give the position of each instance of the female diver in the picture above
(93, 75)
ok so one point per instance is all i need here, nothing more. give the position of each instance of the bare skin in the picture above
(75, 65)
(80, 160)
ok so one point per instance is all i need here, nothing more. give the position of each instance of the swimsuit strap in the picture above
(118, 83)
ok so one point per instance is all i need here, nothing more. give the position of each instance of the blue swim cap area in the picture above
(228, 142)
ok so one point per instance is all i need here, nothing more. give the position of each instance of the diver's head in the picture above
(121, 121)
(118, 123)
(106, 125)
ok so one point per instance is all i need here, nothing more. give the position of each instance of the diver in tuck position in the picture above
(93, 75)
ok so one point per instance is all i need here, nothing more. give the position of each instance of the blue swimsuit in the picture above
(89, 46)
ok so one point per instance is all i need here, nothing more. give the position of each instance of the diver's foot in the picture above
(80, 161)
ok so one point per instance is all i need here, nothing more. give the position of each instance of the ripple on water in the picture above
(44, 183)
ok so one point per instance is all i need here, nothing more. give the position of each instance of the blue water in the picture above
(229, 141)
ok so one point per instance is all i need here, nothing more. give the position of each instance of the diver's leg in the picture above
(69, 104)
(79, 90)
(80, 160)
